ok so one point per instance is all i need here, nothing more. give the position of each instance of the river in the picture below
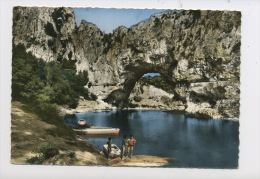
(194, 143)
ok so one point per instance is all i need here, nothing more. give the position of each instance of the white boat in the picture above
(97, 130)
(82, 122)
(115, 151)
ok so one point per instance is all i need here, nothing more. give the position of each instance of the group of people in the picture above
(127, 147)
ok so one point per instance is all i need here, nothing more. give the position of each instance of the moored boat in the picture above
(97, 130)
(82, 122)
(115, 151)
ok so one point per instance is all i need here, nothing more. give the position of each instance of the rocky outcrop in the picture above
(148, 96)
(198, 52)
(214, 99)
(46, 32)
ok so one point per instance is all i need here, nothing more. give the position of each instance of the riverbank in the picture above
(141, 161)
(100, 106)
(30, 134)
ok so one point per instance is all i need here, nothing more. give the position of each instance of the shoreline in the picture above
(141, 161)
(75, 111)
(101, 106)
(26, 142)
(136, 161)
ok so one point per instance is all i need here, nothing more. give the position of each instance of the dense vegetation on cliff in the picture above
(44, 86)
(36, 82)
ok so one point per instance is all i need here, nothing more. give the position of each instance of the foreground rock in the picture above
(29, 134)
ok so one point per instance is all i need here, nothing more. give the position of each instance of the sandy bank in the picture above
(141, 161)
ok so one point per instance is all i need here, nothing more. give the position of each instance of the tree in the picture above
(35, 81)
(25, 80)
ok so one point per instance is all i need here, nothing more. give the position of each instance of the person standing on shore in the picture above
(131, 144)
(124, 147)
(109, 145)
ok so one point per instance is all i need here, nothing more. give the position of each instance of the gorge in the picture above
(196, 51)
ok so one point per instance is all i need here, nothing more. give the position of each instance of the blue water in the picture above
(194, 143)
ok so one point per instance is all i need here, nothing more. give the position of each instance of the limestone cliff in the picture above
(149, 96)
(198, 52)
(46, 32)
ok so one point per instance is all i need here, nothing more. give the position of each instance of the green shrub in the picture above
(93, 96)
(157, 22)
(49, 30)
(49, 113)
(131, 105)
(43, 153)
(137, 98)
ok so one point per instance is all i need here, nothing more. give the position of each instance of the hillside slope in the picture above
(30, 133)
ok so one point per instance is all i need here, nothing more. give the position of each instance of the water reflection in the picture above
(193, 142)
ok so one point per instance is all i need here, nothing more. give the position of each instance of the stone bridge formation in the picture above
(198, 52)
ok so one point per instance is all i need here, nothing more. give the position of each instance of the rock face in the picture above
(198, 52)
(148, 96)
(46, 32)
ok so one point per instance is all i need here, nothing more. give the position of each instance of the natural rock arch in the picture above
(198, 51)
(120, 97)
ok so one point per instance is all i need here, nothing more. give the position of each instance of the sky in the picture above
(152, 74)
(109, 19)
